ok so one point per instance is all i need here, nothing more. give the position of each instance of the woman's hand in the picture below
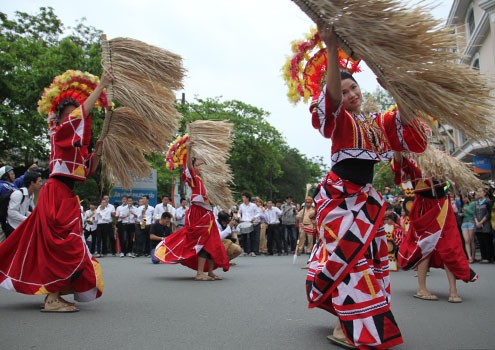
(106, 78)
(98, 149)
(327, 34)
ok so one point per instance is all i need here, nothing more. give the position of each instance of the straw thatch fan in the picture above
(412, 54)
(211, 141)
(144, 78)
(437, 164)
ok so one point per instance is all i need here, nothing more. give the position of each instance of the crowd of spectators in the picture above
(475, 212)
(133, 229)
(271, 227)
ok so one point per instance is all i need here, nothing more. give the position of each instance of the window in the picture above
(471, 25)
(476, 64)
(461, 138)
(475, 61)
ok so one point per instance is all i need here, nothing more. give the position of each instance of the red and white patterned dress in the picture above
(348, 274)
(200, 232)
(47, 252)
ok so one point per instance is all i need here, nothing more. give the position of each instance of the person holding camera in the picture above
(226, 225)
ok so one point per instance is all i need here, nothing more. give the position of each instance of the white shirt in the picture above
(128, 212)
(90, 214)
(104, 215)
(180, 214)
(224, 233)
(248, 212)
(272, 215)
(259, 217)
(148, 214)
(18, 209)
(122, 213)
(160, 209)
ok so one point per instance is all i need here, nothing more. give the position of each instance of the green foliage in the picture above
(88, 191)
(32, 54)
(384, 177)
(165, 178)
(382, 98)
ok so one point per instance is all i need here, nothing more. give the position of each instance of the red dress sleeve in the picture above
(324, 115)
(403, 138)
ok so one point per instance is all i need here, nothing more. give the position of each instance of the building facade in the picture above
(473, 22)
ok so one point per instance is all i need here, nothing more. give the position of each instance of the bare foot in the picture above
(455, 299)
(215, 277)
(203, 277)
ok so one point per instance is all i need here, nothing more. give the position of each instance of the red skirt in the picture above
(433, 234)
(47, 252)
(200, 232)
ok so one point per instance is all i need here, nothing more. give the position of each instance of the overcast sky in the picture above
(232, 49)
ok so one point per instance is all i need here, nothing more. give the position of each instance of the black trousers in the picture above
(273, 236)
(486, 245)
(245, 242)
(142, 242)
(126, 237)
(93, 239)
(104, 234)
(7, 229)
(254, 239)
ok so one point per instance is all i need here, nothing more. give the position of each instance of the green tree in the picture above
(32, 54)
(297, 171)
(381, 97)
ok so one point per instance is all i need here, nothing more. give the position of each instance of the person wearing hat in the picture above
(46, 254)
(306, 219)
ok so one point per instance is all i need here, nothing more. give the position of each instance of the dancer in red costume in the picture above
(433, 238)
(197, 245)
(47, 254)
(348, 275)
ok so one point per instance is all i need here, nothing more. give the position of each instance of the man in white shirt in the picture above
(22, 201)
(249, 212)
(129, 223)
(144, 217)
(180, 213)
(110, 205)
(104, 229)
(90, 226)
(164, 206)
(122, 213)
(289, 217)
(272, 218)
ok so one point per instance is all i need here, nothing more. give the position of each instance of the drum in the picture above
(245, 227)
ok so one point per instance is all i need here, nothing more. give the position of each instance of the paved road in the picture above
(259, 305)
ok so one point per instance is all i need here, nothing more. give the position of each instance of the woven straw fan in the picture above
(211, 141)
(437, 164)
(144, 78)
(412, 54)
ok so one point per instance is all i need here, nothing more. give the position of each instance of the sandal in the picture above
(455, 299)
(431, 297)
(203, 278)
(42, 306)
(341, 342)
(58, 305)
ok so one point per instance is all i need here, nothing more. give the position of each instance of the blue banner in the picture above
(139, 188)
(482, 164)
